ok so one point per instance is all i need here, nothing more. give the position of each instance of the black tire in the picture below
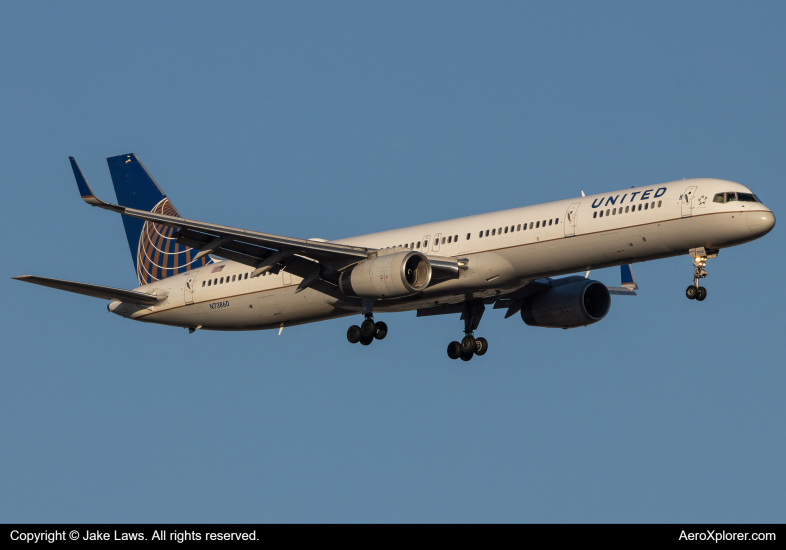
(454, 350)
(368, 328)
(702, 294)
(481, 346)
(353, 334)
(382, 331)
(466, 356)
(468, 344)
(366, 340)
(691, 292)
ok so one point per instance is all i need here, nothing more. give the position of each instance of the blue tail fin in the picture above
(155, 253)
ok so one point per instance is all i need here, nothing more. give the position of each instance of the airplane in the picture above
(203, 276)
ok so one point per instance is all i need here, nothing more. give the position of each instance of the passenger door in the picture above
(687, 202)
(570, 219)
(426, 242)
(190, 287)
(435, 244)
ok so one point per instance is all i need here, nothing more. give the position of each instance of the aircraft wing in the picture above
(260, 250)
(96, 291)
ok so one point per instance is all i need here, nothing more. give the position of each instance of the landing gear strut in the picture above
(469, 345)
(699, 255)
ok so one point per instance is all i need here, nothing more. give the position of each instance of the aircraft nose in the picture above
(760, 223)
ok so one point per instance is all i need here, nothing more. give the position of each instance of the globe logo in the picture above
(159, 256)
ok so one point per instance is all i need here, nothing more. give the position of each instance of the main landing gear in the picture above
(367, 331)
(699, 255)
(469, 345)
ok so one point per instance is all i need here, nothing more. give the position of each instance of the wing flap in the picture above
(96, 291)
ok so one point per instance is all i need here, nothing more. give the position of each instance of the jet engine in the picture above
(388, 276)
(571, 302)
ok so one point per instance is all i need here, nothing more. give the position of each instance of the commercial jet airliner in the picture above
(203, 276)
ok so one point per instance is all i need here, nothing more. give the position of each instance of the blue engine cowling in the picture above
(571, 302)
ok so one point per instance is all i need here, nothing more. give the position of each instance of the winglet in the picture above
(86, 192)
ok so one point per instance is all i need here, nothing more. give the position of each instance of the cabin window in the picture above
(480, 235)
(595, 215)
(493, 231)
(215, 281)
(601, 213)
(468, 236)
(425, 243)
(659, 203)
(627, 209)
(653, 204)
(450, 239)
(518, 227)
(506, 229)
(613, 211)
(646, 205)
(531, 224)
(550, 222)
(208, 283)
(487, 232)
(203, 283)
(455, 238)
(556, 221)
(525, 227)
(639, 208)
(443, 240)
(246, 277)
(537, 225)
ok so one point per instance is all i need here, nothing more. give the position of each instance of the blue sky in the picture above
(335, 119)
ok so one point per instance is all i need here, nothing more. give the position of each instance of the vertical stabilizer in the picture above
(155, 253)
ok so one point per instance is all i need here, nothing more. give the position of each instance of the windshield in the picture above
(729, 197)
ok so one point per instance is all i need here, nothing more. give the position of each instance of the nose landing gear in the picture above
(700, 256)
(469, 345)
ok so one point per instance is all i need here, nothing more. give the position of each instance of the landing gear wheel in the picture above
(382, 331)
(353, 334)
(366, 340)
(454, 350)
(481, 346)
(368, 328)
(702, 294)
(691, 292)
(468, 345)
(466, 356)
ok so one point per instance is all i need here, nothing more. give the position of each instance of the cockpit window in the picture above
(729, 197)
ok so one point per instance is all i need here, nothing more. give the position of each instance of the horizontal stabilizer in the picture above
(96, 291)
(620, 291)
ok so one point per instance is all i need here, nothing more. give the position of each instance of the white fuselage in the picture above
(560, 237)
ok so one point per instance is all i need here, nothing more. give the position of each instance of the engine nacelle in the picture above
(388, 276)
(576, 302)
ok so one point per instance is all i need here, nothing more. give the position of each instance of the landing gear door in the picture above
(190, 287)
(570, 219)
(687, 202)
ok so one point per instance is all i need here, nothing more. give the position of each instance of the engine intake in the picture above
(571, 302)
(388, 276)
